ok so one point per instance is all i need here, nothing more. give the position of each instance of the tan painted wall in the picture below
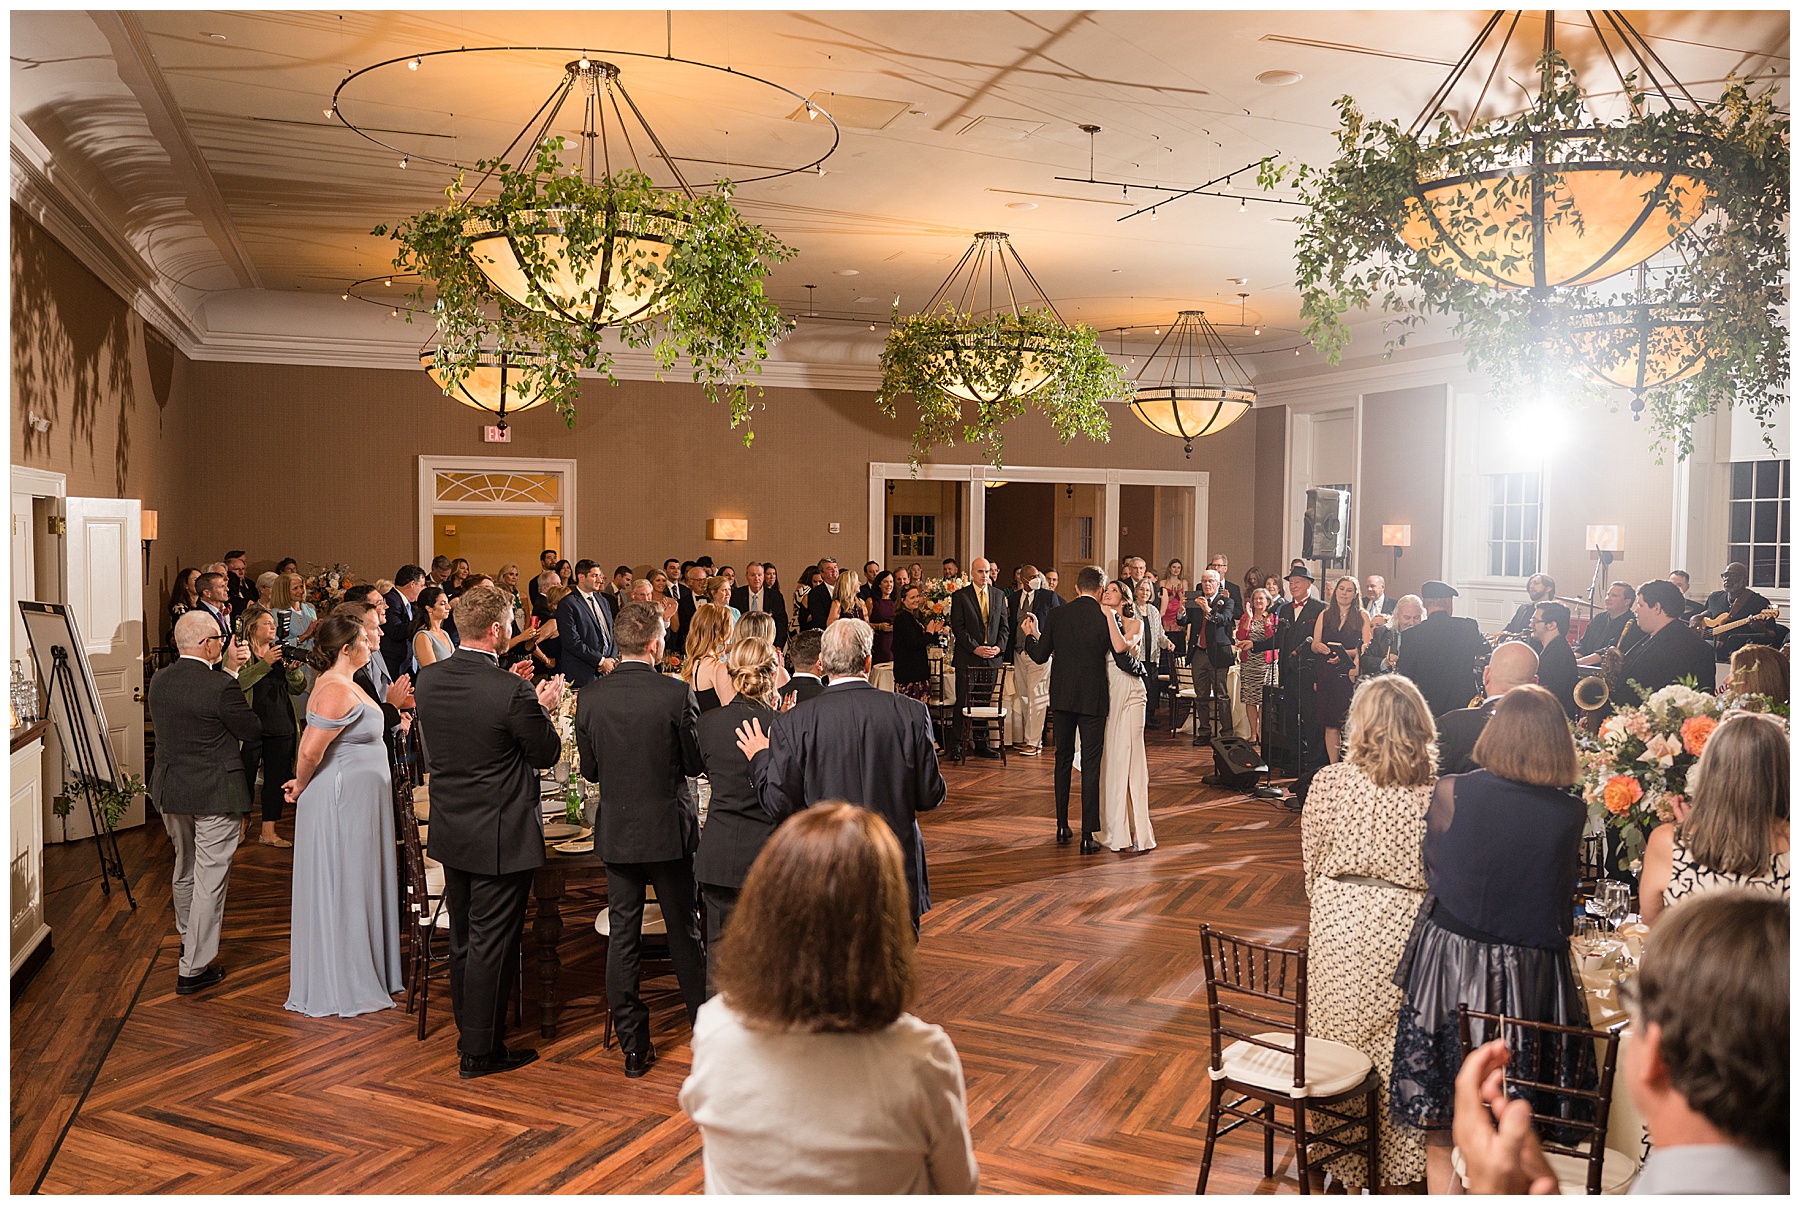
(1402, 482)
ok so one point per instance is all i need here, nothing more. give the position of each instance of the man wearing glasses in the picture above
(1556, 659)
(199, 784)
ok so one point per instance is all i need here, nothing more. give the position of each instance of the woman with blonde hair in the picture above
(736, 823)
(846, 598)
(1502, 854)
(1360, 837)
(809, 1074)
(752, 625)
(1733, 833)
(704, 667)
(548, 648)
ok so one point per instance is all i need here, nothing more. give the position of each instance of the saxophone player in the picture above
(1609, 629)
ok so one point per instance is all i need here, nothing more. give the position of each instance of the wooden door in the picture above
(106, 594)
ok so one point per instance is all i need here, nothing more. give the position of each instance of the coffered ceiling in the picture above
(194, 146)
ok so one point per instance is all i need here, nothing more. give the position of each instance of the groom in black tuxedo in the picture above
(486, 735)
(1077, 634)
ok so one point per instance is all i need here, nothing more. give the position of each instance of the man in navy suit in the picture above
(584, 625)
(752, 596)
(856, 744)
(396, 629)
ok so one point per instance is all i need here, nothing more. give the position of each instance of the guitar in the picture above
(1717, 625)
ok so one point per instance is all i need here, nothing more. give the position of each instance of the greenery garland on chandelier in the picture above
(703, 264)
(1727, 269)
(972, 368)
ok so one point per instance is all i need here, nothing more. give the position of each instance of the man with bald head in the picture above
(1513, 664)
(980, 625)
(1737, 601)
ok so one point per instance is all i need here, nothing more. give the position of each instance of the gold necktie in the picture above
(981, 595)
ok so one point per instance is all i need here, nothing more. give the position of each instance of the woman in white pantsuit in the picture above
(1124, 772)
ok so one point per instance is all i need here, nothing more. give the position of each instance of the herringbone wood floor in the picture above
(1071, 986)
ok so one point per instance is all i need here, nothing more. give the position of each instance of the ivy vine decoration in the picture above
(681, 275)
(1729, 266)
(970, 375)
(112, 799)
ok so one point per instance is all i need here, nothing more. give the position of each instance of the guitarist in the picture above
(1736, 601)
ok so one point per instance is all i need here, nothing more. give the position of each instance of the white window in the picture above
(1514, 522)
(1759, 520)
(914, 535)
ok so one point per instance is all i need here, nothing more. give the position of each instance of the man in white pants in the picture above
(1031, 681)
(199, 787)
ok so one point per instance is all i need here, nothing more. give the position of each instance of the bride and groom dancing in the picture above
(1095, 702)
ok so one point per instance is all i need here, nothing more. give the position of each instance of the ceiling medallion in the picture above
(1192, 386)
(989, 340)
(623, 238)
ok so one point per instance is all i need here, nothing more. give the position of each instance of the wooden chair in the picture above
(1548, 1067)
(1270, 1060)
(1181, 690)
(941, 707)
(422, 903)
(1593, 864)
(986, 707)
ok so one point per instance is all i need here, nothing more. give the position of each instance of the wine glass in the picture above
(1615, 902)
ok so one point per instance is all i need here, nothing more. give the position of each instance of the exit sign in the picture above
(496, 435)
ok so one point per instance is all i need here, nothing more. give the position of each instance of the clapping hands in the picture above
(1028, 624)
(550, 693)
(1499, 1148)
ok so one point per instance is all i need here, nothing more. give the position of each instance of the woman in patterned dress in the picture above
(1361, 835)
(1256, 625)
(1734, 833)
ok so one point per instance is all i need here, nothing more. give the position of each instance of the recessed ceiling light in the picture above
(1021, 204)
(846, 272)
(1280, 78)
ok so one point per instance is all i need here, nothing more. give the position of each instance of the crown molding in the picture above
(74, 221)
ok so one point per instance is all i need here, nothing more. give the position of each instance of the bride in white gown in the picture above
(1124, 772)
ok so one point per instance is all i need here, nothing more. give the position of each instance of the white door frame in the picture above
(430, 509)
(881, 472)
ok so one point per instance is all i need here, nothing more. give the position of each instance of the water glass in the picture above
(1615, 901)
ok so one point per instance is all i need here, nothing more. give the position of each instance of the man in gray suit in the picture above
(199, 787)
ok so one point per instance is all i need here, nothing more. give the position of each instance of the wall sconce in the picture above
(1397, 536)
(148, 527)
(728, 529)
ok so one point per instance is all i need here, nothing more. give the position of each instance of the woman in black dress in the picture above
(736, 824)
(1502, 855)
(1341, 624)
(914, 633)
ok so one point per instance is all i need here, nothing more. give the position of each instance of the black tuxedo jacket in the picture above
(686, 605)
(1521, 618)
(200, 715)
(396, 645)
(1557, 673)
(818, 607)
(1042, 603)
(486, 737)
(240, 592)
(1457, 733)
(1603, 633)
(773, 604)
(1439, 655)
(1675, 652)
(864, 746)
(737, 824)
(582, 640)
(1232, 588)
(1214, 632)
(967, 630)
(638, 732)
(1079, 636)
(801, 688)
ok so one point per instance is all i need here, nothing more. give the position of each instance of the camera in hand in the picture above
(293, 654)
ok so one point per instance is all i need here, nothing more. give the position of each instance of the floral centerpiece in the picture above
(326, 584)
(1639, 768)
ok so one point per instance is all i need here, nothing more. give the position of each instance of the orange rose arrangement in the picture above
(1621, 792)
(1695, 732)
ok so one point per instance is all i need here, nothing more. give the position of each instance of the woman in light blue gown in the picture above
(345, 943)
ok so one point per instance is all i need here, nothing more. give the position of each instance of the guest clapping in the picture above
(809, 1074)
(1256, 652)
(1733, 832)
(270, 684)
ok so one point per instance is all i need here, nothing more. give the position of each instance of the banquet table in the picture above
(1625, 1130)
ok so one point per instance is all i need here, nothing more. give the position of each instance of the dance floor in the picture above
(1071, 985)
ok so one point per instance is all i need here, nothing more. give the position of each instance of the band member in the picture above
(1670, 650)
(1604, 631)
(1737, 601)
(1539, 588)
(1302, 740)
(1440, 654)
(1556, 660)
(1684, 583)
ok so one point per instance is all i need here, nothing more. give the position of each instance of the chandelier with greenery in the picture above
(567, 262)
(976, 355)
(1192, 385)
(1517, 228)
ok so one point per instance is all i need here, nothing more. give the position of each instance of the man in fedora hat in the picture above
(1439, 655)
(1301, 740)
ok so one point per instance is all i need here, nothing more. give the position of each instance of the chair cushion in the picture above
(1331, 1067)
(434, 877)
(1617, 1172)
(653, 925)
(985, 713)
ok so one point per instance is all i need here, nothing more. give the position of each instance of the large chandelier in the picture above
(1561, 205)
(499, 382)
(1192, 386)
(1639, 345)
(990, 362)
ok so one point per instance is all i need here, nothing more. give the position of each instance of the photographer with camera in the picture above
(271, 680)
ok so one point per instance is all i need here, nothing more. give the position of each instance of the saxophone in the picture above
(1591, 698)
(1612, 661)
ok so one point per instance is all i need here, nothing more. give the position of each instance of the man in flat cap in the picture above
(1439, 655)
